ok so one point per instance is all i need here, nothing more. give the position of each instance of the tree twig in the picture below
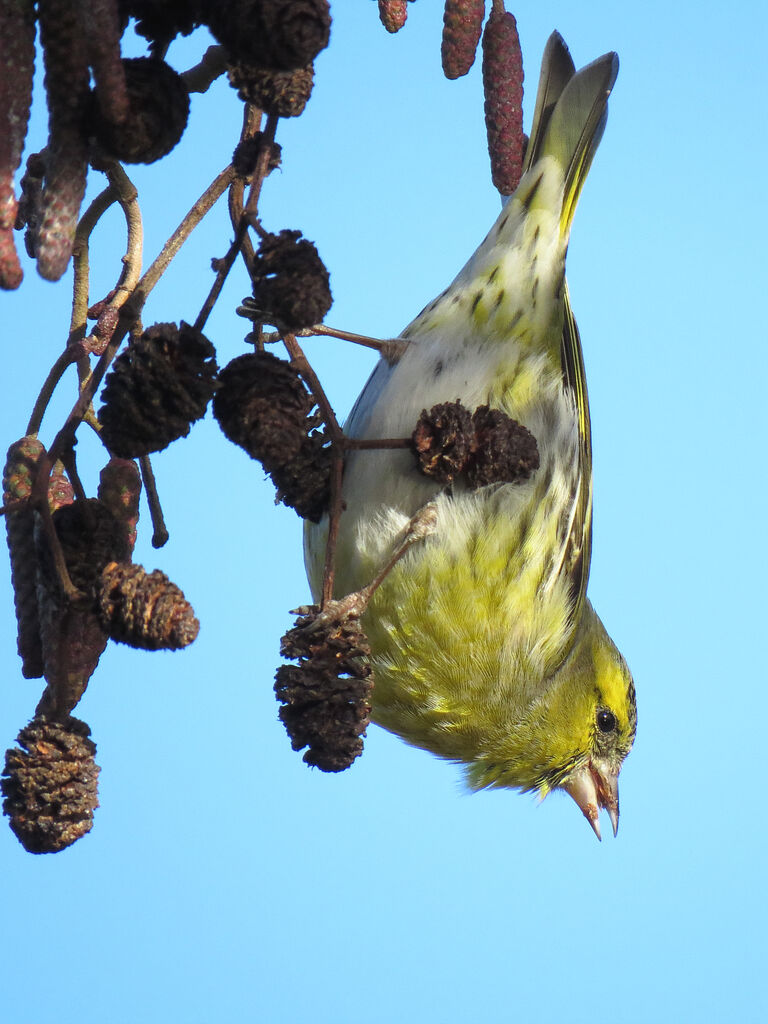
(300, 362)
(159, 529)
(390, 349)
(213, 64)
(128, 198)
(71, 354)
(162, 261)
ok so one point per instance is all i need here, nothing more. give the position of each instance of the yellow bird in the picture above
(486, 649)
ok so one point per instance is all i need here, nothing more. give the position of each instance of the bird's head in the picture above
(575, 733)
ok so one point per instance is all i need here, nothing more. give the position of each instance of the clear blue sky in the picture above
(224, 880)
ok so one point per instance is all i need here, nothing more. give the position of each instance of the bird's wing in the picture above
(577, 541)
(569, 118)
(557, 69)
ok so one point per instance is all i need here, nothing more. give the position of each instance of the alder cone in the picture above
(157, 388)
(280, 34)
(443, 440)
(290, 282)
(90, 538)
(282, 93)
(504, 451)
(50, 784)
(263, 406)
(326, 697)
(144, 609)
(158, 113)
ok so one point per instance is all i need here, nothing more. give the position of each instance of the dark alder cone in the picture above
(120, 490)
(326, 697)
(443, 440)
(159, 109)
(462, 25)
(503, 85)
(262, 405)
(17, 64)
(283, 93)
(290, 282)
(156, 389)
(144, 609)
(281, 34)
(66, 85)
(505, 451)
(18, 477)
(50, 784)
(304, 483)
(90, 538)
(160, 21)
(247, 152)
(393, 14)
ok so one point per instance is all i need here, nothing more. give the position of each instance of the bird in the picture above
(486, 650)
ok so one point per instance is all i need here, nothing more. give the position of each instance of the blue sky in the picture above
(223, 879)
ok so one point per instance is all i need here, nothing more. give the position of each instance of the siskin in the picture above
(486, 649)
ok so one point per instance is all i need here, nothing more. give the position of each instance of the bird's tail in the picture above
(569, 117)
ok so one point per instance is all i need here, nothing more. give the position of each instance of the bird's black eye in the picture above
(606, 720)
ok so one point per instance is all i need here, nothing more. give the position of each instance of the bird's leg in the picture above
(420, 526)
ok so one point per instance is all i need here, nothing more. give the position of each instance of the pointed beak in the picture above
(595, 786)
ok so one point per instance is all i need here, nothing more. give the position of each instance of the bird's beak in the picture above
(593, 786)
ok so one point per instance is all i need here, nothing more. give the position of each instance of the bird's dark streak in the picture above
(499, 298)
(501, 225)
(534, 289)
(575, 573)
(545, 481)
(476, 301)
(548, 504)
(527, 199)
(438, 368)
(524, 526)
(534, 240)
(494, 272)
(516, 318)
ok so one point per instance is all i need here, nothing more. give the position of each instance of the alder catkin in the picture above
(462, 26)
(503, 85)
